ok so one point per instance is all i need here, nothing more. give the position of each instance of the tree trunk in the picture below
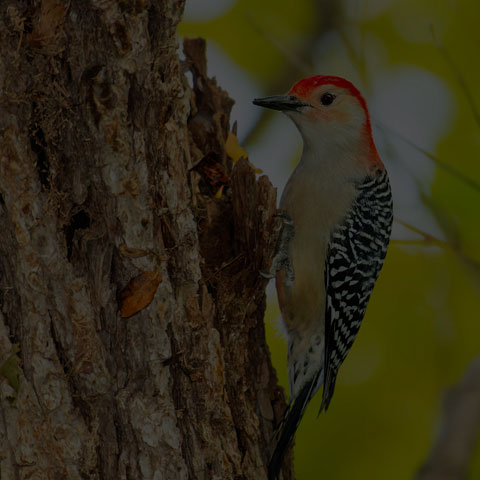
(131, 327)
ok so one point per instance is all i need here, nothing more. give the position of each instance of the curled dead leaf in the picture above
(233, 148)
(236, 152)
(219, 192)
(139, 293)
(212, 170)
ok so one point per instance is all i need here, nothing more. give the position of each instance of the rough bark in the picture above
(109, 166)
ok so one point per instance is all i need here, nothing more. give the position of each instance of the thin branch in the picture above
(426, 236)
(327, 15)
(459, 430)
(429, 239)
(461, 81)
(422, 242)
(294, 57)
(357, 59)
(444, 166)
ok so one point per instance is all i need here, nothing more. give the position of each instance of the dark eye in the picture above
(327, 98)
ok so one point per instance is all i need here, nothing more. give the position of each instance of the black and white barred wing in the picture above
(357, 249)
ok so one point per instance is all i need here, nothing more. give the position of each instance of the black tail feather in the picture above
(328, 389)
(288, 427)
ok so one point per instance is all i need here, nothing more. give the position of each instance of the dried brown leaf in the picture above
(139, 293)
(52, 14)
(213, 171)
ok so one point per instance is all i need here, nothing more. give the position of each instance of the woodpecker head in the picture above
(326, 109)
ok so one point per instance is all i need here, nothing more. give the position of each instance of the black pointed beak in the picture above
(284, 103)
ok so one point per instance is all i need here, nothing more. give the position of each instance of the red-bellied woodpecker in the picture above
(337, 209)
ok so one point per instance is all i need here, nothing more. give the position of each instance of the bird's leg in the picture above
(281, 258)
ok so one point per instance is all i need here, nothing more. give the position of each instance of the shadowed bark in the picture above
(110, 163)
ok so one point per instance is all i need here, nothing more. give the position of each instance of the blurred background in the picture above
(417, 64)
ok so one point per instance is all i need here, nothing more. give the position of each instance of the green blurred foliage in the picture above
(422, 326)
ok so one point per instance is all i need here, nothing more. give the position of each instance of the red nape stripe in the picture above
(305, 86)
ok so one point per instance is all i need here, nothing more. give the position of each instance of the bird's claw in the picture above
(281, 258)
(286, 218)
(268, 275)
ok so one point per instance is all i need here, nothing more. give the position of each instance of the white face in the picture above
(333, 111)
